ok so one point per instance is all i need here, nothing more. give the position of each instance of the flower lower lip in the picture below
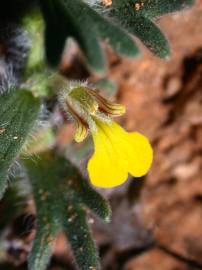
(118, 153)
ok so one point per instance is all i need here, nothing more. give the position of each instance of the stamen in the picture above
(106, 106)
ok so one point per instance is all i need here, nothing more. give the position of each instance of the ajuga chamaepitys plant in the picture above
(35, 100)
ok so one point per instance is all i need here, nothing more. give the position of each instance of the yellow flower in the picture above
(116, 154)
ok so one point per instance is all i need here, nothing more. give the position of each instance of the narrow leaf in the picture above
(54, 46)
(18, 113)
(66, 19)
(83, 29)
(150, 35)
(84, 194)
(117, 38)
(80, 238)
(45, 177)
(157, 8)
(135, 15)
(54, 42)
(62, 196)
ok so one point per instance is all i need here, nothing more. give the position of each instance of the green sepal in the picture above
(62, 196)
(18, 113)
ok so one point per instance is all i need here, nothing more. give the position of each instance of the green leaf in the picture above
(76, 15)
(116, 37)
(74, 18)
(46, 178)
(150, 35)
(54, 46)
(66, 18)
(18, 113)
(157, 8)
(135, 15)
(62, 195)
(78, 233)
(85, 21)
(85, 195)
